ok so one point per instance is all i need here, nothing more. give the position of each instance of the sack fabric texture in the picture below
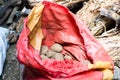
(50, 23)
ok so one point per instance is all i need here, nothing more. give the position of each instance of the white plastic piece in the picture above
(3, 46)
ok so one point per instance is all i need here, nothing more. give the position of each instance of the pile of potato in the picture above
(53, 53)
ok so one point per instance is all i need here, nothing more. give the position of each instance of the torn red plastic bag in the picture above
(50, 23)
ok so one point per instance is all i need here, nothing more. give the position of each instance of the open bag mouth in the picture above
(50, 23)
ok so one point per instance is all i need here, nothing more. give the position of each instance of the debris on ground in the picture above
(117, 73)
(72, 5)
(103, 19)
(3, 47)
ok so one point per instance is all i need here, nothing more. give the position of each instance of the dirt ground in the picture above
(11, 68)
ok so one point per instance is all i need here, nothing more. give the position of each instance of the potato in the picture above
(67, 57)
(44, 49)
(50, 53)
(44, 57)
(58, 56)
(56, 47)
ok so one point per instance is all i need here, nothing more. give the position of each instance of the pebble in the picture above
(54, 53)
(44, 57)
(56, 47)
(50, 53)
(67, 57)
(86, 62)
(58, 56)
(116, 73)
(44, 49)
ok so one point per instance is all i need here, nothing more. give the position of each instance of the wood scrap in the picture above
(11, 17)
(7, 9)
(8, 6)
(92, 8)
(102, 17)
(72, 5)
(5, 17)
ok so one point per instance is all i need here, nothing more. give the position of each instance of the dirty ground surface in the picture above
(11, 68)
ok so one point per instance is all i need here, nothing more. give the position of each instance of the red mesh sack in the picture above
(50, 23)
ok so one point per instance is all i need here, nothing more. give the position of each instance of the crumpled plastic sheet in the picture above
(3, 46)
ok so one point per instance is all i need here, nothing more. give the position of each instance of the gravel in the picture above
(12, 67)
(116, 73)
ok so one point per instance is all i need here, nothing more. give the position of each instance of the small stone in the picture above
(86, 62)
(117, 63)
(50, 53)
(58, 56)
(115, 8)
(44, 49)
(44, 57)
(57, 48)
(118, 11)
(68, 57)
(116, 73)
